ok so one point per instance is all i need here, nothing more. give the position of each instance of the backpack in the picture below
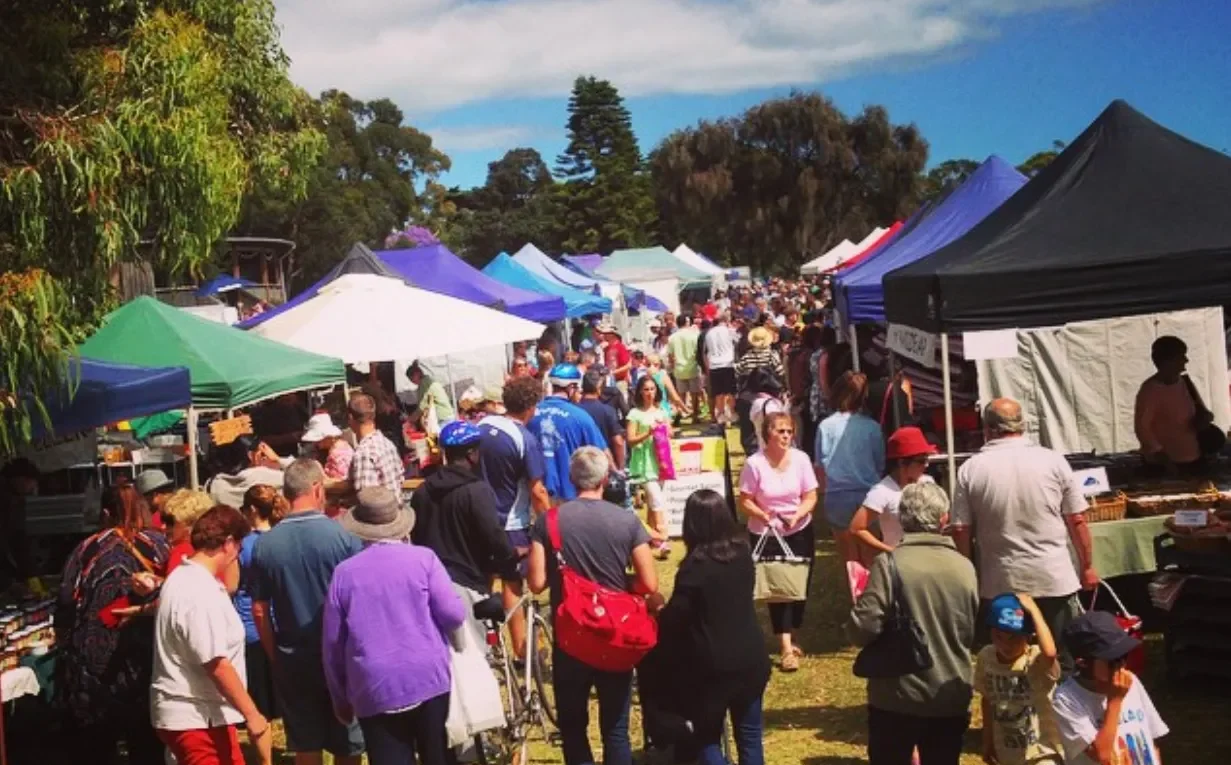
(606, 629)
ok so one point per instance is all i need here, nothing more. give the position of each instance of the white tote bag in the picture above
(474, 699)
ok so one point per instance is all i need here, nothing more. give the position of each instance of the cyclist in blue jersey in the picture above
(562, 428)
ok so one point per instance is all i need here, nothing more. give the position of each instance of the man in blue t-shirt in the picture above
(291, 568)
(562, 428)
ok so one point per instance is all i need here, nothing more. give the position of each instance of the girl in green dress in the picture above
(643, 467)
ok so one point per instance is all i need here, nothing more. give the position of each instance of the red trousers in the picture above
(204, 746)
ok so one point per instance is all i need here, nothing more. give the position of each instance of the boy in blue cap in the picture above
(1105, 715)
(1016, 678)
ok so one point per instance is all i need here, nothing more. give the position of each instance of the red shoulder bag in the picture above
(607, 629)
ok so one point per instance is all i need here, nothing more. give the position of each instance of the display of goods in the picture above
(1109, 506)
(1154, 503)
(1208, 539)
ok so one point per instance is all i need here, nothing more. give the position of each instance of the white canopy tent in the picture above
(842, 252)
(690, 257)
(365, 317)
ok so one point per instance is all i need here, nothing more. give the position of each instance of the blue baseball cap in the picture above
(1005, 613)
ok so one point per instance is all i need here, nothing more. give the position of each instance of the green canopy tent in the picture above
(229, 368)
(628, 263)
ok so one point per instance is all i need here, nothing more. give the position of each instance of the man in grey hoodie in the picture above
(929, 710)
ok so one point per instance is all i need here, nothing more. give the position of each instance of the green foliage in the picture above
(125, 122)
(945, 176)
(364, 186)
(785, 181)
(1041, 159)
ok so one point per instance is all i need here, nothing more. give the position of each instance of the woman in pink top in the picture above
(777, 489)
(1165, 416)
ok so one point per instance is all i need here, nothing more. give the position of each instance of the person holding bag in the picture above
(588, 544)
(916, 625)
(777, 493)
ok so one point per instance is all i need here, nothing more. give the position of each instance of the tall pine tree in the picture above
(606, 192)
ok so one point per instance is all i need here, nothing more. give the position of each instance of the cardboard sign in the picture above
(677, 492)
(914, 344)
(1092, 481)
(1192, 519)
(223, 432)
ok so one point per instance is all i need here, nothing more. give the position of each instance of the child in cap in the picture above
(1016, 679)
(1105, 715)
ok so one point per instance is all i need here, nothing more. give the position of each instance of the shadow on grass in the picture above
(833, 760)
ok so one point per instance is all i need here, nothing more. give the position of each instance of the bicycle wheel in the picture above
(542, 668)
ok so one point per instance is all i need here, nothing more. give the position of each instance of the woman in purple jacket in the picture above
(387, 621)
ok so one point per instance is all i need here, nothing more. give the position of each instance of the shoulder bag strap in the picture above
(897, 603)
(553, 534)
(145, 562)
(1192, 391)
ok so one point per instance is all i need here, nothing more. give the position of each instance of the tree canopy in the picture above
(127, 128)
(786, 180)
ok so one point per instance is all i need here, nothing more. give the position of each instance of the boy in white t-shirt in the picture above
(1016, 679)
(1104, 714)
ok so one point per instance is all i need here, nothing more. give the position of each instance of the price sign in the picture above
(1192, 519)
(676, 493)
(223, 432)
(914, 344)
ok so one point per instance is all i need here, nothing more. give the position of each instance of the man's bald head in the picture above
(1003, 417)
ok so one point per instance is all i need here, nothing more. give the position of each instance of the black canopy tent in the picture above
(1131, 218)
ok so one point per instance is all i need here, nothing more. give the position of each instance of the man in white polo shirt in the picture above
(1020, 505)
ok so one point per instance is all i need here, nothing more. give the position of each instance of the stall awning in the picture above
(1131, 218)
(229, 368)
(576, 302)
(106, 393)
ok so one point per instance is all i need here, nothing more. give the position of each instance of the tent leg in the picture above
(346, 393)
(948, 392)
(893, 396)
(194, 478)
(854, 347)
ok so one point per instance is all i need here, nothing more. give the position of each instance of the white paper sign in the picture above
(1092, 481)
(992, 344)
(914, 344)
(676, 493)
(1192, 519)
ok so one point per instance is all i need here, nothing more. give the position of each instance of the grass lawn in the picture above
(817, 716)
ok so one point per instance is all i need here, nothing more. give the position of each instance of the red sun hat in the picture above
(908, 442)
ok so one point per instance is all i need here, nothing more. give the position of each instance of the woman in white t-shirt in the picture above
(197, 692)
(906, 454)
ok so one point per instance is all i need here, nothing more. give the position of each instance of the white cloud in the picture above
(480, 137)
(435, 54)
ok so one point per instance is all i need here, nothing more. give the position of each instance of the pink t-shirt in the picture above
(777, 492)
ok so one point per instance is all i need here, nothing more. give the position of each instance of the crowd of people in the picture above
(312, 590)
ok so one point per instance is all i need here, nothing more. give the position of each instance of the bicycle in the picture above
(527, 689)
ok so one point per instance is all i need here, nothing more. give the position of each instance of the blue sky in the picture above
(977, 76)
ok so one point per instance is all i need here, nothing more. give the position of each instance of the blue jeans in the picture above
(746, 723)
(573, 681)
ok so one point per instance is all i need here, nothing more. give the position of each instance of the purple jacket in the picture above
(387, 618)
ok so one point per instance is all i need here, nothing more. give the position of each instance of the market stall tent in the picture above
(690, 257)
(437, 269)
(576, 302)
(859, 294)
(831, 257)
(888, 237)
(340, 321)
(625, 263)
(534, 259)
(1130, 218)
(229, 368)
(102, 393)
(588, 263)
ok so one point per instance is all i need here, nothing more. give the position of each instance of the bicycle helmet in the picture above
(564, 375)
(459, 434)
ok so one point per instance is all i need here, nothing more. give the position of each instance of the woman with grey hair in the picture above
(930, 709)
(599, 541)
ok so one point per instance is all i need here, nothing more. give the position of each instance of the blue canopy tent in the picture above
(437, 269)
(576, 302)
(107, 393)
(574, 263)
(860, 294)
(534, 259)
(223, 283)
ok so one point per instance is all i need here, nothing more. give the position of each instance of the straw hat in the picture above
(379, 516)
(760, 337)
(607, 328)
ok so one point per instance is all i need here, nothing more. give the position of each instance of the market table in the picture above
(1127, 546)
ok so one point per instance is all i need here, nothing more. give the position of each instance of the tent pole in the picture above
(194, 478)
(893, 396)
(948, 390)
(854, 347)
(452, 392)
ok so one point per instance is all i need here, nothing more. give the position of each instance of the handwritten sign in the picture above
(223, 432)
(677, 492)
(914, 344)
